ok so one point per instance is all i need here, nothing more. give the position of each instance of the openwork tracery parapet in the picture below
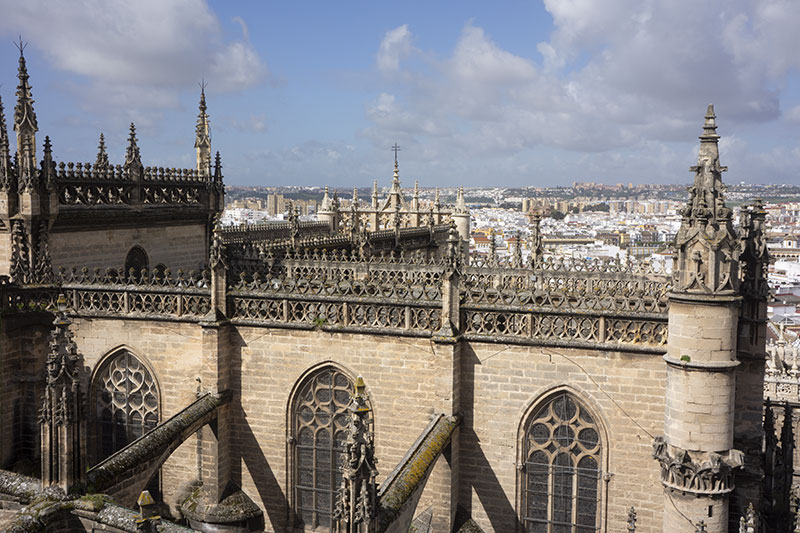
(697, 472)
(582, 303)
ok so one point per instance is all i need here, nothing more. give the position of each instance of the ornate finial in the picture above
(395, 149)
(218, 169)
(747, 523)
(101, 163)
(326, 206)
(202, 140)
(132, 155)
(20, 260)
(707, 258)
(461, 204)
(632, 520)
(23, 113)
(48, 165)
(5, 152)
(217, 251)
(25, 125)
(517, 258)
(355, 507)
(492, 247)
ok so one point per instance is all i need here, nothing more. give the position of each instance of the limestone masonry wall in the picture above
(177, 246)
(499, 385)
(407, 380)
(173, 351)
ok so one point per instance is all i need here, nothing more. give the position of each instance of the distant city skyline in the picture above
(524, 94)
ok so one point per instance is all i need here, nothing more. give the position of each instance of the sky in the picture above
(476, 93)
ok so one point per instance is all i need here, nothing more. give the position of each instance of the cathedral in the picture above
(362, 372)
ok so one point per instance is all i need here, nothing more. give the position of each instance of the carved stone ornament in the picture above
(61, 403)
(707, 246)
(356, 500)
(217, 255)
(694, 471)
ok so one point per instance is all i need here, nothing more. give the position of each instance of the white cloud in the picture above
(137, 54)
(396, 45)
(619, 76)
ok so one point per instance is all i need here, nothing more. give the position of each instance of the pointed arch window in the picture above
(562, 469)
(318, 422)
(136, 260)
(126, 402)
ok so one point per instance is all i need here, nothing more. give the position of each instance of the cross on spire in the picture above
(20, 45)
(395, 149)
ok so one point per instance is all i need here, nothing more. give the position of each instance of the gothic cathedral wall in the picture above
(172, 352)
(177, 246)
(407, 381)
(501, 386)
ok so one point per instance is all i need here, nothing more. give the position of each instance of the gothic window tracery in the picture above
(126, 400)
(562, 469)
(319, 421)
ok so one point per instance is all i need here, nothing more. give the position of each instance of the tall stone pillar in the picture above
(696, 453)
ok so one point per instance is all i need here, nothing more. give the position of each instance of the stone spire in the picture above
(395, 197)
(60, 418)
(415, 200)
(25, 125)
(5, 155)
(132, 155)
(375, 194)
(101, 163)
(706, 241)
(202, 140)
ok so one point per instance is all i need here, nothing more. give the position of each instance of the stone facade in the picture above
(510, 396)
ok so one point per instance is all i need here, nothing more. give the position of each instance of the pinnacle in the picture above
(23, 112)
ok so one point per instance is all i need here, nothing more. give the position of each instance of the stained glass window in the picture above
(126, 399)
(561, 485)
(319, 421)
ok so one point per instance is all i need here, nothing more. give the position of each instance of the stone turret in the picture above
(202, 142)
(697, 456)
(461, 217)
(328, 212)
(61, 418)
